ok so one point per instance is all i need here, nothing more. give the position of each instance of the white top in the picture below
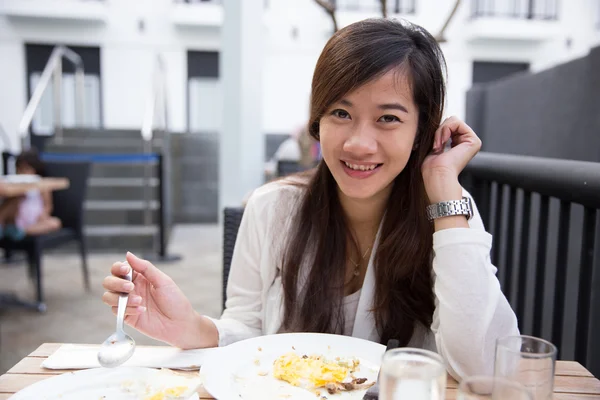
(471, 311)
(350, 308)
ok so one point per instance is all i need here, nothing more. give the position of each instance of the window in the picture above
(520, 9)
(490, 71)
(37, 56)
(204, 92)
(43, 120)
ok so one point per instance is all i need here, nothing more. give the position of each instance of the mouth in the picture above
(360, 170)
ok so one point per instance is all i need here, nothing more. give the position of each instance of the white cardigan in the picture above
(471, 311)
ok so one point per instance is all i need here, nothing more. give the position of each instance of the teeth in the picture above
(360, 167)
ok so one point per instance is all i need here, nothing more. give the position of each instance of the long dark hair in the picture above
(319, 233)
(32, 158)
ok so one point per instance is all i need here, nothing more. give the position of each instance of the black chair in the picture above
(69, 208)
(231, 223)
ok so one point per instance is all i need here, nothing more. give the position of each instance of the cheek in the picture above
(329, 139)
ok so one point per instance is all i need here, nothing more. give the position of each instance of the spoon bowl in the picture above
(118, 347)
(115, 351)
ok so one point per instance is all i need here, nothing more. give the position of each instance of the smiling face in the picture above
(367, 137)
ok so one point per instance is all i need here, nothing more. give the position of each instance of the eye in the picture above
(389, 118)
(340, 114)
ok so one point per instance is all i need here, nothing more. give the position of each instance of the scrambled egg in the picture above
(313, 372)
(163, 385)
(169, 393)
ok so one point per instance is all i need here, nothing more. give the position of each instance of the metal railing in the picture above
(393, 6)
(544, 217)
(156, 113)
(518, 9)
(53, 71)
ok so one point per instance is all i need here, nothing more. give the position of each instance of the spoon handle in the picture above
(123, 297)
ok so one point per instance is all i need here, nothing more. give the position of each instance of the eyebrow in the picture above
(387, 106)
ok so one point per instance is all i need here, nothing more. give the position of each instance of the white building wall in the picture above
(296, 31)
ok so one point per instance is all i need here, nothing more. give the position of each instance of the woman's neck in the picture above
(364, 215)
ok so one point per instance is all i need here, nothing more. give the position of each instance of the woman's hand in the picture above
(156, 306)
(441, 168)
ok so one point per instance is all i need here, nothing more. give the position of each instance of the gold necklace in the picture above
(357, 265)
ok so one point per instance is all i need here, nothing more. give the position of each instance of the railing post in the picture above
(588, 302)
(79, 96)
(162, 254)
(57, 100)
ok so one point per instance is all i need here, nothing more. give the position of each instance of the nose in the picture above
(361, 142)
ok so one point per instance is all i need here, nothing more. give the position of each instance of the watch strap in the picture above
(450, 208)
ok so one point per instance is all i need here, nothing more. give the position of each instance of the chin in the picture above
(360, 191)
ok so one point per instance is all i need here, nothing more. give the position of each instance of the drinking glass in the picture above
(415, 374)
(492, 388)
(529, 361)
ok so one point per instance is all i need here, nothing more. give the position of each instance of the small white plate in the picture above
(20, 178)
(122, 383)
(244, 370)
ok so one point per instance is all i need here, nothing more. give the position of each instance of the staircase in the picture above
(118, 218)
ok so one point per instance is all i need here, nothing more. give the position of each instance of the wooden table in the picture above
(13, 189)
(573, 381)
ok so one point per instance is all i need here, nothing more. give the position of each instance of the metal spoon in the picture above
(119, 346)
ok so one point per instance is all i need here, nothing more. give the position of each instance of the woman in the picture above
(356, 256)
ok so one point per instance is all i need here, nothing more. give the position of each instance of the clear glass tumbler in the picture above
(492, 388)
(529, 361)
(415, 374)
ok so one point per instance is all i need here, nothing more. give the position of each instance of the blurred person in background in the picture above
(30, 214)
(299, 147)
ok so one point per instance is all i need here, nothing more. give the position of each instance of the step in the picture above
(120, 213)
(105, 133)
(122, 170)
(105, 148)
(122, 182)
(119, 205)
(94, 141)
(96, 192)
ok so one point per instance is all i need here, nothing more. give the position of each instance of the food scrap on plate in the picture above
(318, 372)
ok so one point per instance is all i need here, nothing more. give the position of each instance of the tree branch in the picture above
(330, 9)
(440, 36)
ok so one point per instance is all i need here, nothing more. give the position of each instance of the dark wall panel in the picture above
(554, 113)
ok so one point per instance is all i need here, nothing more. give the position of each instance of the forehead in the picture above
(394, 85)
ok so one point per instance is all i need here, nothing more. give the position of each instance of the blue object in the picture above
(15, 233)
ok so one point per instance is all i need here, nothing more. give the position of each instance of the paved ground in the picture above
(77, 316)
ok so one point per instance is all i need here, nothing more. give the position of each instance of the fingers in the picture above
(134, 306)
(456, 129)
(131, 310)
(112, 299)
(155, 276)
(116, 284)
(119, 269)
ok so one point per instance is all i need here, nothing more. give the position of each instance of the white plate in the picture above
(236, 371)
(21, 178)
(123, 383)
